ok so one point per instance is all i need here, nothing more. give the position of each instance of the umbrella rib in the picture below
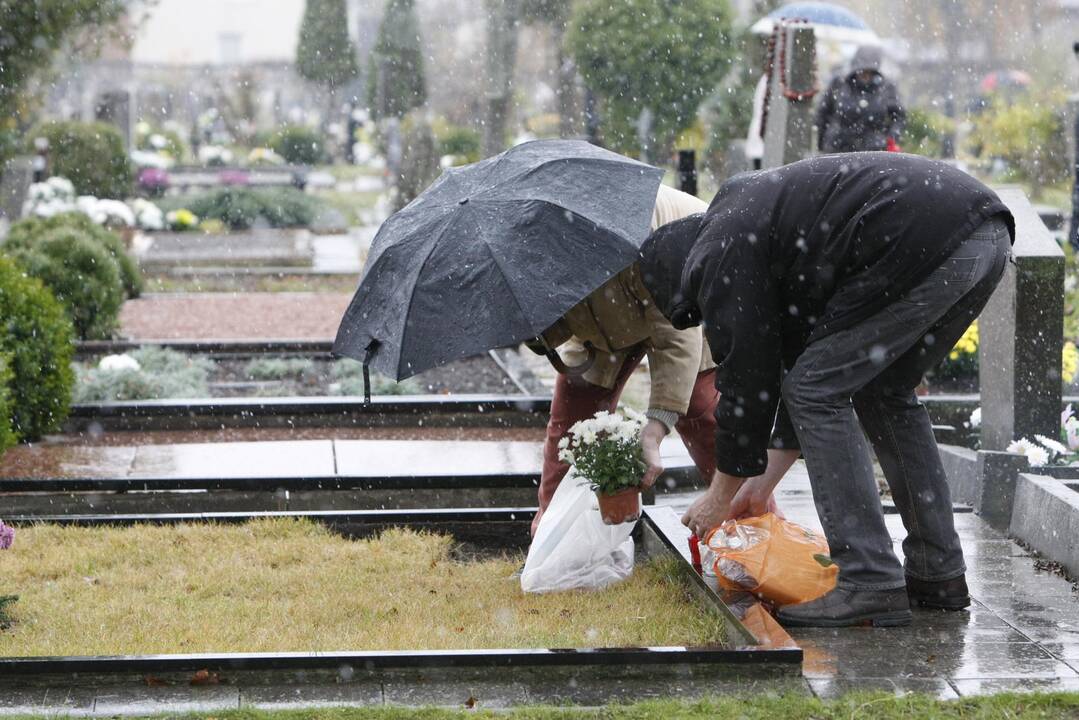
(412, 295)
(513, 294)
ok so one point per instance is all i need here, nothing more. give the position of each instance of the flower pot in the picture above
(623, 506)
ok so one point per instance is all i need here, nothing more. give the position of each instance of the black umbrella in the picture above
(493, 253)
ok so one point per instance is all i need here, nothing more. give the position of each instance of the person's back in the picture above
(860, 110)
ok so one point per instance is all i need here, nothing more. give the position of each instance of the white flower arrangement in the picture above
(1035, 454)
(52, 197)
(214, 155)
(975, 421)
(148, 216)
(114, 213)
(57, 195)
(605, 450)
(118, 363)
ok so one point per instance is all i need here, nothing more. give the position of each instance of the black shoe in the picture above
(944, 595)
(841, 608)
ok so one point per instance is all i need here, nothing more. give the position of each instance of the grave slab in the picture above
(151, 700)
(301, 459)
(832, 688)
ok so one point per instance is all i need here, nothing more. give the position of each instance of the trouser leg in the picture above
(698, 426)
(877, 363)
(574, 399)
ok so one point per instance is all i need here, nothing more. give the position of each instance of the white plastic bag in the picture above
(573, 548)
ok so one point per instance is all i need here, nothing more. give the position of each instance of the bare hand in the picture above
(713, 507)
(651, 436)
(753, 499)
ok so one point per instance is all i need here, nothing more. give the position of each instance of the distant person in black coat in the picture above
(861, 110)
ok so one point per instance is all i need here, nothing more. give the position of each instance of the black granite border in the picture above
(753, 655)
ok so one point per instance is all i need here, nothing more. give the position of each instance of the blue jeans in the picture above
(872, 369)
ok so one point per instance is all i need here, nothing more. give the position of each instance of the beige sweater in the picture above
(620, 318)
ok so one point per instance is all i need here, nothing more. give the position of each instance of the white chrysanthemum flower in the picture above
(1036, 455)
(1052, 445)
(61, 187)
(976, 418)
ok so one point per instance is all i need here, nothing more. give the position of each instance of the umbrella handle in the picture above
(539, 344)
(368, 354)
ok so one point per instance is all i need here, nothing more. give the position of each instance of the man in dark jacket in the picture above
(834, 283)
(861, 110)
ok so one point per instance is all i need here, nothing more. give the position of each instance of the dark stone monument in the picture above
(687, 171)
(996, 492)
(114, 107)
(1021, 330)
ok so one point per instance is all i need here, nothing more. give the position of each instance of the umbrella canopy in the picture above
(831, 23)
(493, 253)
(1004, 79)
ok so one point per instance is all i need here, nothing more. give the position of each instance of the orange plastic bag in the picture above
(773, 558)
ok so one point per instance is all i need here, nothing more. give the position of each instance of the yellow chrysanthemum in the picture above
(1069, 362)
(967, 344)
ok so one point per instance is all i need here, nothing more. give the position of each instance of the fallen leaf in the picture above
(205, 677)
(471, 702)
(154, 681)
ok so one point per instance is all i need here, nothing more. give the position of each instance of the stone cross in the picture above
(1021, 333)
(792, 84)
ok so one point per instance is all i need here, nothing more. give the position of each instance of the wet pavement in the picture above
(1022, 632)
(288, 458)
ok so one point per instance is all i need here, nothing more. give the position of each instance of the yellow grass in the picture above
(286, 585)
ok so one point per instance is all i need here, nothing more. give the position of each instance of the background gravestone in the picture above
(15, 178)
(114, 107)
(1021, 336)
(788, 132)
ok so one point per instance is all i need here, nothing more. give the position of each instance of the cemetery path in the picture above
(233, 316)
(1021, 633)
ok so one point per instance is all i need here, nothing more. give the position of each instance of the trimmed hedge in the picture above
(7, 433)
(162, 374)
(298, 145)
(38, 339)
(26, 233)
(82, 275)
(244, 208)
(90, 155)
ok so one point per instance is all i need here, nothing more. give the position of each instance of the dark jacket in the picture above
(787, 256)
(854, 116)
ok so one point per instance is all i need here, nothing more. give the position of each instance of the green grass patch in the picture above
(856, 706)
(290, 585)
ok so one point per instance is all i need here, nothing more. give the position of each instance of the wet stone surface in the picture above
(1021, 634)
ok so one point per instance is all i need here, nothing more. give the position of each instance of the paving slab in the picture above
(285, 697)
(301, 458)
(46, 700)
(992, 686)
(356, 458)
(66, 461)
(152, 700)
(830, 688)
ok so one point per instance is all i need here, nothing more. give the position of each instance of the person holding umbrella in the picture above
(826, 289)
